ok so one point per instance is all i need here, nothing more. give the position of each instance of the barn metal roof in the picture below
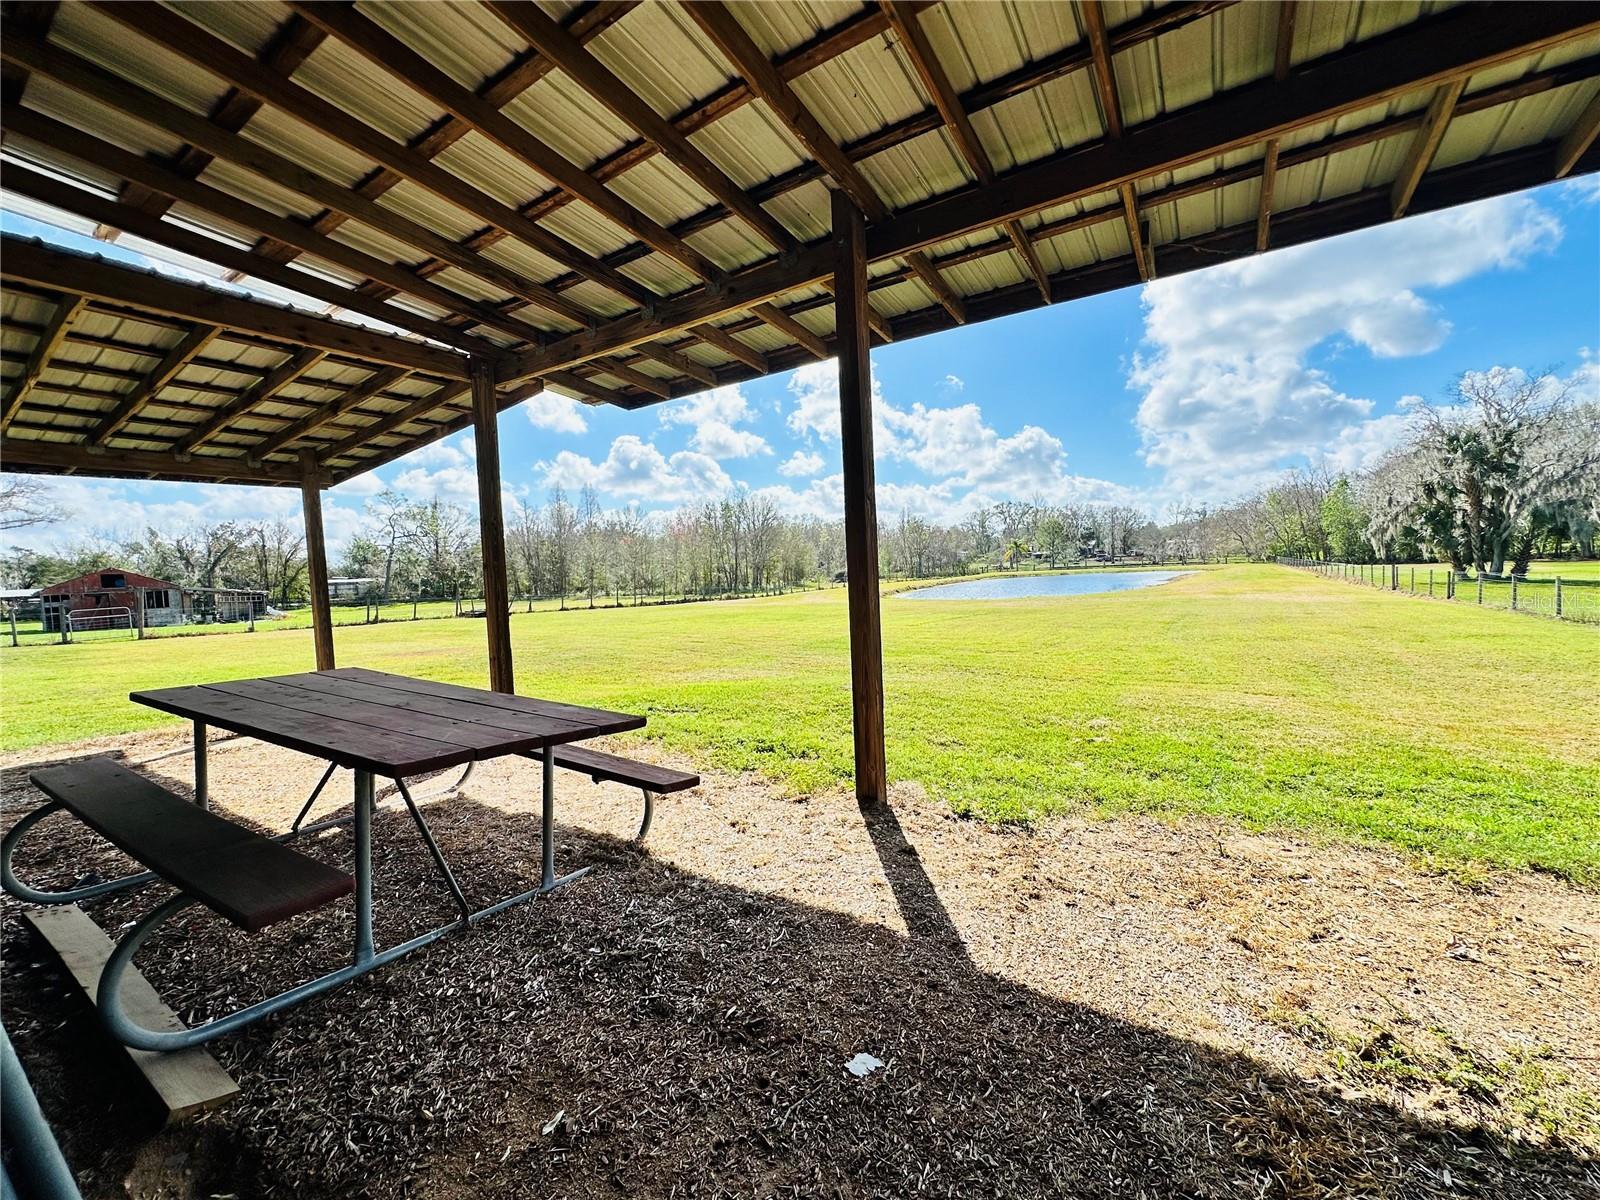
(629, 202)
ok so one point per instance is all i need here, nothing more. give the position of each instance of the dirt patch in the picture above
(1114, 1008)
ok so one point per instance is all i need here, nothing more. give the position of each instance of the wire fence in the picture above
(1564, 599)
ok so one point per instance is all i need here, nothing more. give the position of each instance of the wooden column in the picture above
(851, 315)
(316, 560)
(491, 524)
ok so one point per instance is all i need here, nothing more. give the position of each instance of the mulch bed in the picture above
(1107, 1009)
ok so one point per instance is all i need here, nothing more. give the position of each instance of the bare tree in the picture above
(25, 501)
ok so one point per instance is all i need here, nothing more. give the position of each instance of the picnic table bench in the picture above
(371, 722)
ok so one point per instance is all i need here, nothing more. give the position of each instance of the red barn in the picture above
(114, 594)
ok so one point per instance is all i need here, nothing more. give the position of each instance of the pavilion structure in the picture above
(629, 202)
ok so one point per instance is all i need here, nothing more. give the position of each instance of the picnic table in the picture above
(370, 722)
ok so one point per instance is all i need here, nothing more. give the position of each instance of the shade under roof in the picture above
(630, 202)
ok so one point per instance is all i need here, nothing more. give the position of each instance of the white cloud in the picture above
(955, 383)
(1229, 397)
(455, 485)
(714, 416)
(559, 414)
(636, 469)
(801, 462)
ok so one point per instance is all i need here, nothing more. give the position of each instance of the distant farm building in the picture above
(113, 598)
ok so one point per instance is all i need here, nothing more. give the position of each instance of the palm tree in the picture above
(1016, 551)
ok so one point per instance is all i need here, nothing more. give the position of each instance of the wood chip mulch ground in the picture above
(1101, 1009)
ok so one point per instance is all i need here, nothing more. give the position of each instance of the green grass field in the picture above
(1260, 693)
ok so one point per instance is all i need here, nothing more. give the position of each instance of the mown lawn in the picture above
(1260, 693)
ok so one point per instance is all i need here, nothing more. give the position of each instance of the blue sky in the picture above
(1191, 389)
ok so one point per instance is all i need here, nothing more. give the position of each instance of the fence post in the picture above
(11, 611)
(1430, 582)
(1513, 593)
(1480, 587)
(1413, 581)
(413, 604)
(1558, 611)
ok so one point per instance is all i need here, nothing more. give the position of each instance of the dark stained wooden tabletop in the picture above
(389, 724)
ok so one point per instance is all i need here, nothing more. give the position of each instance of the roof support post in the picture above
(316, 560)
(860, 496)
(491, 525)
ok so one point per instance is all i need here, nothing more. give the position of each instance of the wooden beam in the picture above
(183, 1082)
(44, 348)
(284, 52)
(316, 560)
(680, 363)
(74, 458)
(731, 346)
(1269, 179)
(765, 79)
(445, 394)
(1463, 41)
(589, 73)
(1425, 145)
(1105, 82)
(585, 388)
(784, 323)
(375, 384)
(27, 261)
(1282, 60)
(402, 162)
(343, 21)
(633, 378)
(68, 198)
(128, 98)
(491, 526)
(1576, 141)
(281, 376)
(163, 373)
(860, 498)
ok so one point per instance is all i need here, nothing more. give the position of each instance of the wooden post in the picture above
(491, 525)
(316, 560)
(1558, 611)
(11, 612)
(860, 497)
(138, 611)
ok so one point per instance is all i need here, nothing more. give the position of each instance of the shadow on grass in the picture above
(653, 1032)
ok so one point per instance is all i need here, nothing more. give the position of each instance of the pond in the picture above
(1017, 587)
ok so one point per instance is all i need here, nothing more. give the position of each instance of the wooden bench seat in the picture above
(251, 880)
(599, 765)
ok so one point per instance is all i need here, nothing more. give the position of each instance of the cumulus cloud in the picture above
(559, 414)
(713, 417)
(801, 462)
(636, 469)
(1228, 394)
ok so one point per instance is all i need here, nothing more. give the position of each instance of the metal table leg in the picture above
(202, 783)
(363, 814)
(548, 881)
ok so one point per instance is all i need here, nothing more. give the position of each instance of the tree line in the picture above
(1508, 468)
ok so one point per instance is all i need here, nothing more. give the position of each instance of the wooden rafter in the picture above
(1426, 144)
(281, 376)
(1105, 84)
(587, 389)
(375, 384)
(589, 73)
(284, 52)
(1578, 139)
(164, 372)
(29, 262)
(50, 190)
(936, 81)
(1282, 60)
(682, 364)
(340, 18)
(765, 80)
(444, 395)
(128, 98)
(44, 349)
(729, 345)
(185, 38)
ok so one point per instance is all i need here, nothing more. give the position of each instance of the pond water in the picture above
(1016, 587)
